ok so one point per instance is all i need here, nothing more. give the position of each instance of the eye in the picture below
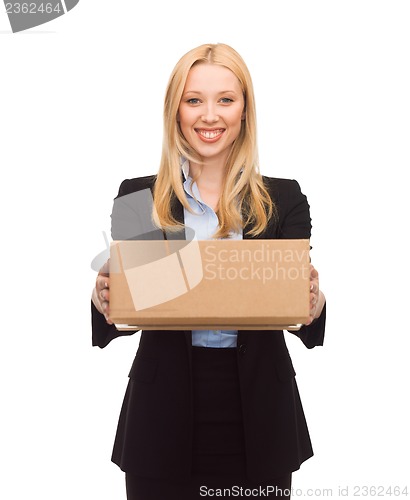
(226, 100)
(193, 100)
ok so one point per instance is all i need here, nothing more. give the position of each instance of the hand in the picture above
(101, 292)
(317, 299)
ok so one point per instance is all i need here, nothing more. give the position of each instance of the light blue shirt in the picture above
(205, 224)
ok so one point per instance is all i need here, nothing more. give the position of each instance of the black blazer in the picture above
(154, 435)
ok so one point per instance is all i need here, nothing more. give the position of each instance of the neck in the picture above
(211, 175)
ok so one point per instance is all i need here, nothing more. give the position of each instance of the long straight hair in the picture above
(243, 190)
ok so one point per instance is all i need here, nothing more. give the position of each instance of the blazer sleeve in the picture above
(295, 223)
(102, 332)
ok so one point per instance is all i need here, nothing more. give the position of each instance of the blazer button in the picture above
(242, 349)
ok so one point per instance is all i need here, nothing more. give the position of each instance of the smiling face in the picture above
(211, 111)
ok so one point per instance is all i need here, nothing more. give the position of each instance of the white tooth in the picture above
(210, 134)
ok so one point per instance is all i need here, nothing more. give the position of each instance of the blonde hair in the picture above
(243, 190)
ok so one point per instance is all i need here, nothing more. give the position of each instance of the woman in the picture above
(213, 410)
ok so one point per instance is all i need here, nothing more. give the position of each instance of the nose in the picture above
(210, 115)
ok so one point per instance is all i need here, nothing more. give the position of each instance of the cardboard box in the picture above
(211, 284)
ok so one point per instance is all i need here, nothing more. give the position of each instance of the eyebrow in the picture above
(221, 92)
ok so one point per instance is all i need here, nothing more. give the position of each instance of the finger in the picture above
(107, 319)
(313, 273)
(107, 313)
(313, 305)
(314, 287)
(102, 283)
(105, 295)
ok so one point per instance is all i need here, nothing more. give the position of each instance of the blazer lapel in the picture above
(177, 211)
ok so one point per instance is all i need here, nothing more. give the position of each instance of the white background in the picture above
(81, 109)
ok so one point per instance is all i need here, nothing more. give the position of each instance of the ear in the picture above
(243, 116)
(178, 116)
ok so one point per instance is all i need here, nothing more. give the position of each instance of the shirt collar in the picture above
(191, 188)
(185, 167)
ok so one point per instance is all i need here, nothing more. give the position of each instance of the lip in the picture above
(209, 135)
